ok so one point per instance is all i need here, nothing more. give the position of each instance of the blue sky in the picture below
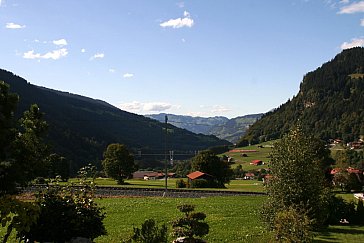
(198, 57)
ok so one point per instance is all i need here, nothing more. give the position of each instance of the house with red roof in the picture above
(199, 175)
(256, 162)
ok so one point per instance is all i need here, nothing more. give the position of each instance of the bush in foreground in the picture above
(149, 233)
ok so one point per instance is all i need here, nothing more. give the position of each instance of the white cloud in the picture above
(187, 21)
(344, 1)
(14, 26)
(356, 7)
(140, 107)
(156, 106)
(362, 22)
(218, 109)
(111, 70)
(97, 56)
(55, 55)
(60, 42)
(181, 4)
(128, 75)
(83, 50)
(354, 43)
(134, 106)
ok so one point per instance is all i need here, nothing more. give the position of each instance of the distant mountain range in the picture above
(329, 104)
(222, 127)
(80, 128)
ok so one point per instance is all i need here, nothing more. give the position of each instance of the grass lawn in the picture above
(231, 219)
(260, 154)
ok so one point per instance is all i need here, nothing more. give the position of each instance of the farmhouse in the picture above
(249, 176)
(199, 175)
(150, 175)
(256, 162)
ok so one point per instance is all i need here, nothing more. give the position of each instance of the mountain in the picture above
(80, 128)
(330, 103)
(222, 127)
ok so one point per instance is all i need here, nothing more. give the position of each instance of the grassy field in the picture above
(231, 219)
(262, 153)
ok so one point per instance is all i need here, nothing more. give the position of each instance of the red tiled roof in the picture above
(196, 175)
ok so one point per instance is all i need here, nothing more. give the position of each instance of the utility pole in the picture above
(165, 155)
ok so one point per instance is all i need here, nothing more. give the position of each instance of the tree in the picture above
(190, 225)
(118, 163)
(58, 166)
(297, 177)
(22, 153)
(208, 162)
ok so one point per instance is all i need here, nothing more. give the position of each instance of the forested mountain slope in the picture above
(330, 103)
(80, 128)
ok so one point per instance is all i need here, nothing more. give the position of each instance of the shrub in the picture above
(40, 180)
(339, 209)
(200, 183)
(149, 233)
(67, 212)
(292, 225)
(181, 183)
(190, 225)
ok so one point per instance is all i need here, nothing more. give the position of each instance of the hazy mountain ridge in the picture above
(80, 128)
(222, 127)
(330, 103)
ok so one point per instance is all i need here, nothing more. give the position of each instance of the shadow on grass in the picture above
(329, 235)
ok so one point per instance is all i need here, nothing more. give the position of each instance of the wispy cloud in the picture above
(97, 56)
(14, 26)
(55, 55)
(354, 43)
(181, 4)
(218, 109)
(60, 42)
(356, 7)
(140, 107)
(187, 21)
(128, 75)
(362, 22)
(83, 50)
(112, 70)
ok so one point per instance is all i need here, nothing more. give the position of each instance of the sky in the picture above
(199, 57)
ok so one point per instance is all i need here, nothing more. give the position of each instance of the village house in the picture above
(199, 175)
(256, 162)
(151, 175)
(249, 176)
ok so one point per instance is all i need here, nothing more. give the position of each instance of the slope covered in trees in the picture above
(80, 128)
(330, 103)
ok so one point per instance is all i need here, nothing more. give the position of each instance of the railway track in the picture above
(111, 191)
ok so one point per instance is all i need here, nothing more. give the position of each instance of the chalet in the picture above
(256, 162)
(199, 175)
(150, 175)
(249, 176)
(350, 170)
(266, 178)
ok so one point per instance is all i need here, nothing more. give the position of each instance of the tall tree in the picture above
(118, 163)
(22, 156)
(297, 177)
(208, 162)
